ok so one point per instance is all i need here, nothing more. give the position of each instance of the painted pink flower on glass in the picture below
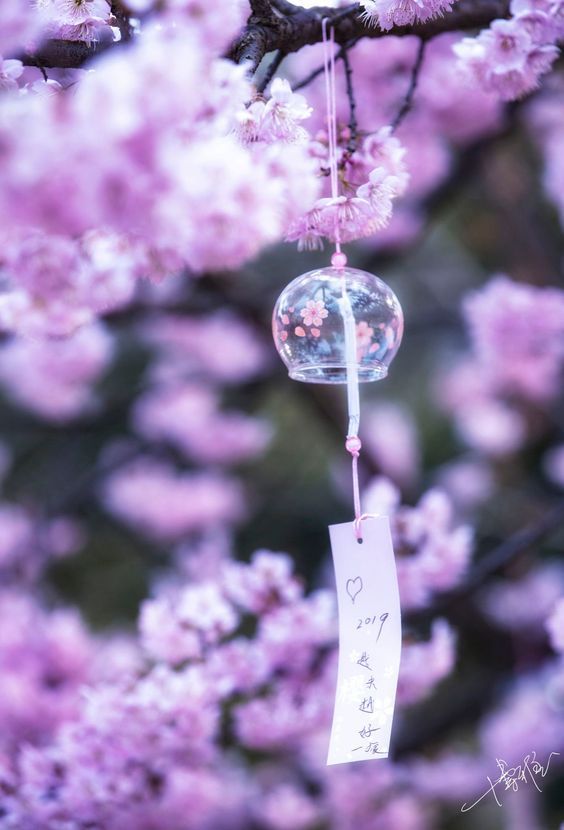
(314, 313)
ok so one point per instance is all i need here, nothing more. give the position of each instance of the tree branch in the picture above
(298, 27)
(492, 563)
(353, 124)
(66, 54)
(279, 25)
(317, 72)
(271, 70)
(408, 100)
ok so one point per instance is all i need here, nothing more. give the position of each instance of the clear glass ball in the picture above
(308, 325)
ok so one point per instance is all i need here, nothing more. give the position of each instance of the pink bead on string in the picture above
(353, 445)
(339, 259)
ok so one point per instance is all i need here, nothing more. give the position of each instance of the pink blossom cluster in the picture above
(54, 378)
(45, 657)
(375, 175)
(390, 435)
(179, 408)
(425, 664)
(510, 56)
(517, 333)
(263, 185)
(216, 25)
(525, 604)
(525, 728)
(432, 553)
(19, 25)
(440, 119)
(389, 13)
(528, 719)
(277, 119)
(517, 338)
(28, 544)
(10, 71)
(167, 742)
(166, 503)
(80, 20)
(218, 347)
(451, 776)
(187, 416)
(469, 481)
(53, 284)
(273, 173)
(210, 186)
(484, 421)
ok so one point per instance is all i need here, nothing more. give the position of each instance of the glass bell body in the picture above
(309, 325)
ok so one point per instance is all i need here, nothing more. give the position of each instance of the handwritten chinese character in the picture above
(370, 684)
(367, 705)
(366, 731)
(363, 661)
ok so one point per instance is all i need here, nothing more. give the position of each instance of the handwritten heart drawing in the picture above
(354, 587)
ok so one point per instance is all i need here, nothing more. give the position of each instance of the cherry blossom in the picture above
(511, 56)
(168, 504)
(517, 331)
(283, 113)
(54, 378)
(19, 23)
(188, 416)
(389, 13)
(437, 656)
(314, 313)
(433, 555)
(10, 71)
(79, 11)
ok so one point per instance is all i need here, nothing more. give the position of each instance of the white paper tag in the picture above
(369, 641)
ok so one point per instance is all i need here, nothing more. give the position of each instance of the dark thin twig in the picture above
(346, 13)
(353, 124)
(317, 72)
(271, 70)
(493, 562)
(512, 547)
(309, 78)
(408, 100)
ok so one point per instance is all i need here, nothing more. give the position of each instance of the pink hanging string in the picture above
(353, 443)
(331, 114)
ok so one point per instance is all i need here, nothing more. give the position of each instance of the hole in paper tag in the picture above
(369, 641)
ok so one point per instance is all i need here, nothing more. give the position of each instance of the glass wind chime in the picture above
(341, 325)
